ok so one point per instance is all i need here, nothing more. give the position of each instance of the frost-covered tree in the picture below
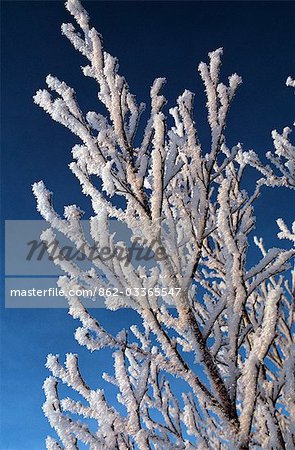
(226, 330)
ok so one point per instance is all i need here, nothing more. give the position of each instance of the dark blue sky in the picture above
(150, 39)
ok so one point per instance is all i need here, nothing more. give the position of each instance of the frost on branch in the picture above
(228, 341)
(282, 160)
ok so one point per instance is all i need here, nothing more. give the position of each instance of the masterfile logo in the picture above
(35, 253)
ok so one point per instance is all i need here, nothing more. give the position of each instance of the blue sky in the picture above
(151, 39)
